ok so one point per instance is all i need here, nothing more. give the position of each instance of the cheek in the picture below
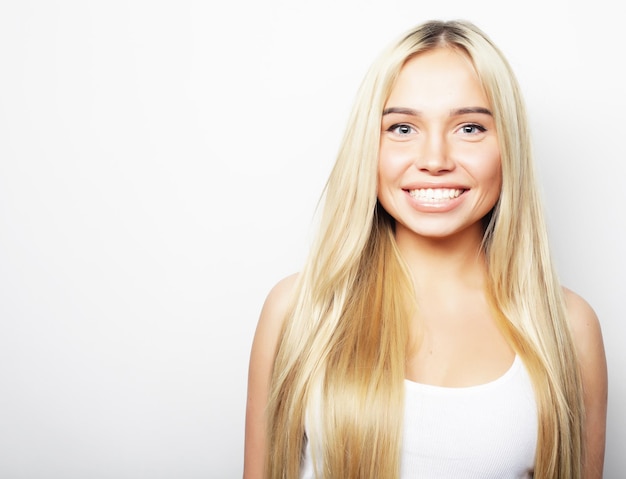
(392, 163)
(381, 181)
(485, 166)
(387, 178)
(493, 176)
(496, 166)
(484, 162)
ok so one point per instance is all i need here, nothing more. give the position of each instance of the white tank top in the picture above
(487, 431)
(481, 432)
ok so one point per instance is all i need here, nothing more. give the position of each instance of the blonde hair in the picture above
(342, 353)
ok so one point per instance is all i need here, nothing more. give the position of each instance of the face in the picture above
(439, 169)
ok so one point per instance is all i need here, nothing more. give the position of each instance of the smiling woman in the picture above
(439, 164)
(427, 334)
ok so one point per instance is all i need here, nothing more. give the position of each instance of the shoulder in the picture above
(267, 335)
(273, 314)
(280, 294)
(278, 301)
(589, 345)
(264, 344)
(584, 323)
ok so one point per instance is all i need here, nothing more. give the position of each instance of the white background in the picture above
(160, 162)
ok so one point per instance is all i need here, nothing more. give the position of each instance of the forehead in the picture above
(437, 77)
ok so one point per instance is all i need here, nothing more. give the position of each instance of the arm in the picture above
(590, 350)
(261, 361)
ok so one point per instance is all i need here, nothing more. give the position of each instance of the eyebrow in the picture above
(456, 112)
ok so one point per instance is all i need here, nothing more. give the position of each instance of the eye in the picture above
(472, 129)
(401, 129)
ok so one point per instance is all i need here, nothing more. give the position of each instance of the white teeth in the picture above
(435, 194)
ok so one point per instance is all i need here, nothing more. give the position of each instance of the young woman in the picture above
(427, 334)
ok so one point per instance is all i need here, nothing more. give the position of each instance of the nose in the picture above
(433, 155)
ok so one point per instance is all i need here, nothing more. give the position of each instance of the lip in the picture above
(441, 205)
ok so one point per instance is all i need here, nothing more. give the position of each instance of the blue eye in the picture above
(472, 129)
(401, 129)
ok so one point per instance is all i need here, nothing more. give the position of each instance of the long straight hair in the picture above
(340, 364)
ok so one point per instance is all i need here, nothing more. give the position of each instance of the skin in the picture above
(592, 359)
(437, 131)
(259, 373)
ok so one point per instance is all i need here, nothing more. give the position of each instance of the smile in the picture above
(435, 194)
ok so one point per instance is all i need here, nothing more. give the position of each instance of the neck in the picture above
(441, 264)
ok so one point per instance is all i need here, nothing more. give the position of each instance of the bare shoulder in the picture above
(584, 323)
(276, 306)
(271, 320)
(589, 345)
